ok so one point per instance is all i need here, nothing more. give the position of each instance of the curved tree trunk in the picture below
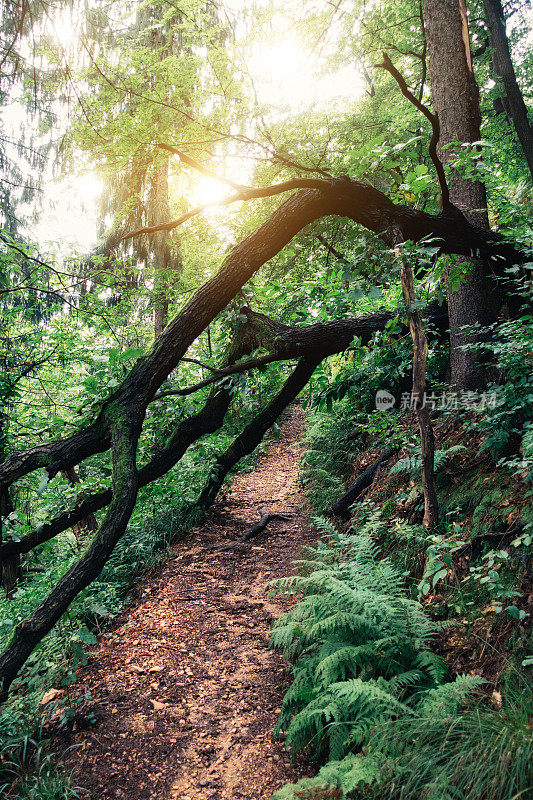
(125, 487)
(120, 419)
(427, 436)
(285, 343)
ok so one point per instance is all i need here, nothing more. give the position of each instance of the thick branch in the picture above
(55, 456)
(243, 193)
(125, 486)
(253, 433)
(358, 201)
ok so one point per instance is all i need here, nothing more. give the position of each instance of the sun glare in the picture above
(281, 73)
(70, 216)
(208, 190)
(284, 74)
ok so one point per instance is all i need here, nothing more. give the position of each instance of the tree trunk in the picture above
(253, 433)
(503, 67)
(456, 101)
(341, 507)
(30, 631)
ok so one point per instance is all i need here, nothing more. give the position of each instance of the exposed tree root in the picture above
(253, 531)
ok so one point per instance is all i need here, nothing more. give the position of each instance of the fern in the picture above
(360, 647)
(446, 699)
(411, 463)
(335, 780)
(361, 657)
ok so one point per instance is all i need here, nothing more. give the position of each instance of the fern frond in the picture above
(446, 699)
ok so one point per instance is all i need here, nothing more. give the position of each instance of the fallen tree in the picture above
(341, 507)
(285, 343)
(119, 422)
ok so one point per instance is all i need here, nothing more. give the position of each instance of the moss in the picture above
(481, 497)
(487, 516)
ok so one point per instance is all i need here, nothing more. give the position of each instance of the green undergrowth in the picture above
(372, 701)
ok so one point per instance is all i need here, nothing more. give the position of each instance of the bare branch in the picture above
(435, 126)
(245, 193)
(234, 370)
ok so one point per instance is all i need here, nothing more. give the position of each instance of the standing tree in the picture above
(476, 301)
(504, 69)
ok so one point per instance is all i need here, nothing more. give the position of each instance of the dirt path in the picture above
(184, 690)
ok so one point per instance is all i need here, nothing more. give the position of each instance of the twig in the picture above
(221, 373)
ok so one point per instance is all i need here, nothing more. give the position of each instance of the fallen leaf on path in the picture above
(51, 694)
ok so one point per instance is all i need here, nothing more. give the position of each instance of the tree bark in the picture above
(456, 101)
(125, 486)
(504, 69)
(427, 437)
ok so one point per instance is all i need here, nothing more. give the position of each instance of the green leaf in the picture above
(85, 635)
(131, 352)
(438, 575)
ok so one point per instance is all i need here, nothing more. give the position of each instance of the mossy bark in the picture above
(124, 435)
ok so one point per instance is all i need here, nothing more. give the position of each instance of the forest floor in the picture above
(182, 695)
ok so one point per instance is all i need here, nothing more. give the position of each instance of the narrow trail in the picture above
(184, 689)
